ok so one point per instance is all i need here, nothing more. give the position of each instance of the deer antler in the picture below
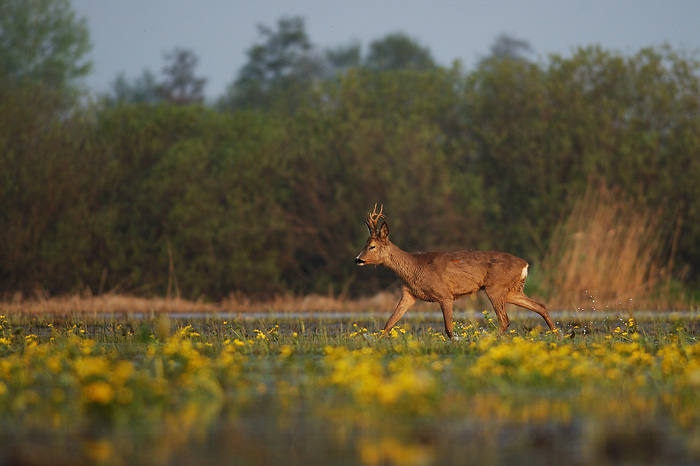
(372, 219)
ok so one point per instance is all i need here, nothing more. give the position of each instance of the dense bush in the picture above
(171, 199)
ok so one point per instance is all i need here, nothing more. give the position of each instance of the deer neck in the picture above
(401, 263)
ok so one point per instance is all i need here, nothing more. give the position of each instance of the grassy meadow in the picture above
(157, 389)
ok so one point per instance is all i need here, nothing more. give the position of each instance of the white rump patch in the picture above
(523, 274)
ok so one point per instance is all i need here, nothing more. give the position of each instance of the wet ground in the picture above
(580, 323)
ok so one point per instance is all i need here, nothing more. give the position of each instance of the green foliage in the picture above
(178, 86)
(188, 210)
(398, 51)
(181, 87)
(371, 138)
(543, 131)
(283, 68)
(142, 90)
(42, 41)
(277, 68)
(188, 200)
(47, 192)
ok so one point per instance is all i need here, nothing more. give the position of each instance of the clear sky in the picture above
(131, 36)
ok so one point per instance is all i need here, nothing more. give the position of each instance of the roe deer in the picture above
(443, 277)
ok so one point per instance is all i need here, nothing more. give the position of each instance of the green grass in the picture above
(300, 391)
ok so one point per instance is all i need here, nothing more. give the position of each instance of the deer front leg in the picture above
(446, 307)
(407, 300)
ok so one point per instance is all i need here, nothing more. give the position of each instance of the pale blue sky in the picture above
(132, 35)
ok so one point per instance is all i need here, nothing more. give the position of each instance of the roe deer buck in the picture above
(446, 276)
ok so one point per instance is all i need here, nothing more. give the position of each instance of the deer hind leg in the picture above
(520, 299)
(498, 302)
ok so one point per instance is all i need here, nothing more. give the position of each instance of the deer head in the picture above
(376, 245)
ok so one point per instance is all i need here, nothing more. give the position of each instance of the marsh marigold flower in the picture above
(98, 392)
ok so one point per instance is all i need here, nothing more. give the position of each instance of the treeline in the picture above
(205, 202)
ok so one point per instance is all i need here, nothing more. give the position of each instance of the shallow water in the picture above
(562, 316)
(579, 323)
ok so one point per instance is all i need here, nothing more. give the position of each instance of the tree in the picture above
(283, 63)
(143, 90)
(43, 42)
(398, 51)
(180, 85)
(509, 48)
(541, 131)
(279, 56)
(342, 58)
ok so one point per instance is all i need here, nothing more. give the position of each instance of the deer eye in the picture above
(372, 247)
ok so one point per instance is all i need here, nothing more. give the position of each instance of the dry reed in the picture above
(125, 304)
(608, 254)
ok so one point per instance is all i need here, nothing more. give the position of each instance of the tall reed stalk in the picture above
(608, 253)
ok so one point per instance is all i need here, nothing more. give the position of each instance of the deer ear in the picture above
(370, 229)
(384, 231)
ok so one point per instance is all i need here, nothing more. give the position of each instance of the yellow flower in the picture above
(91, 365)
(54, 363)
(86, 346)
(121, 372)
(98, 392)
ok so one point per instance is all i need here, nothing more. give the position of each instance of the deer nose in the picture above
(359, 261)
